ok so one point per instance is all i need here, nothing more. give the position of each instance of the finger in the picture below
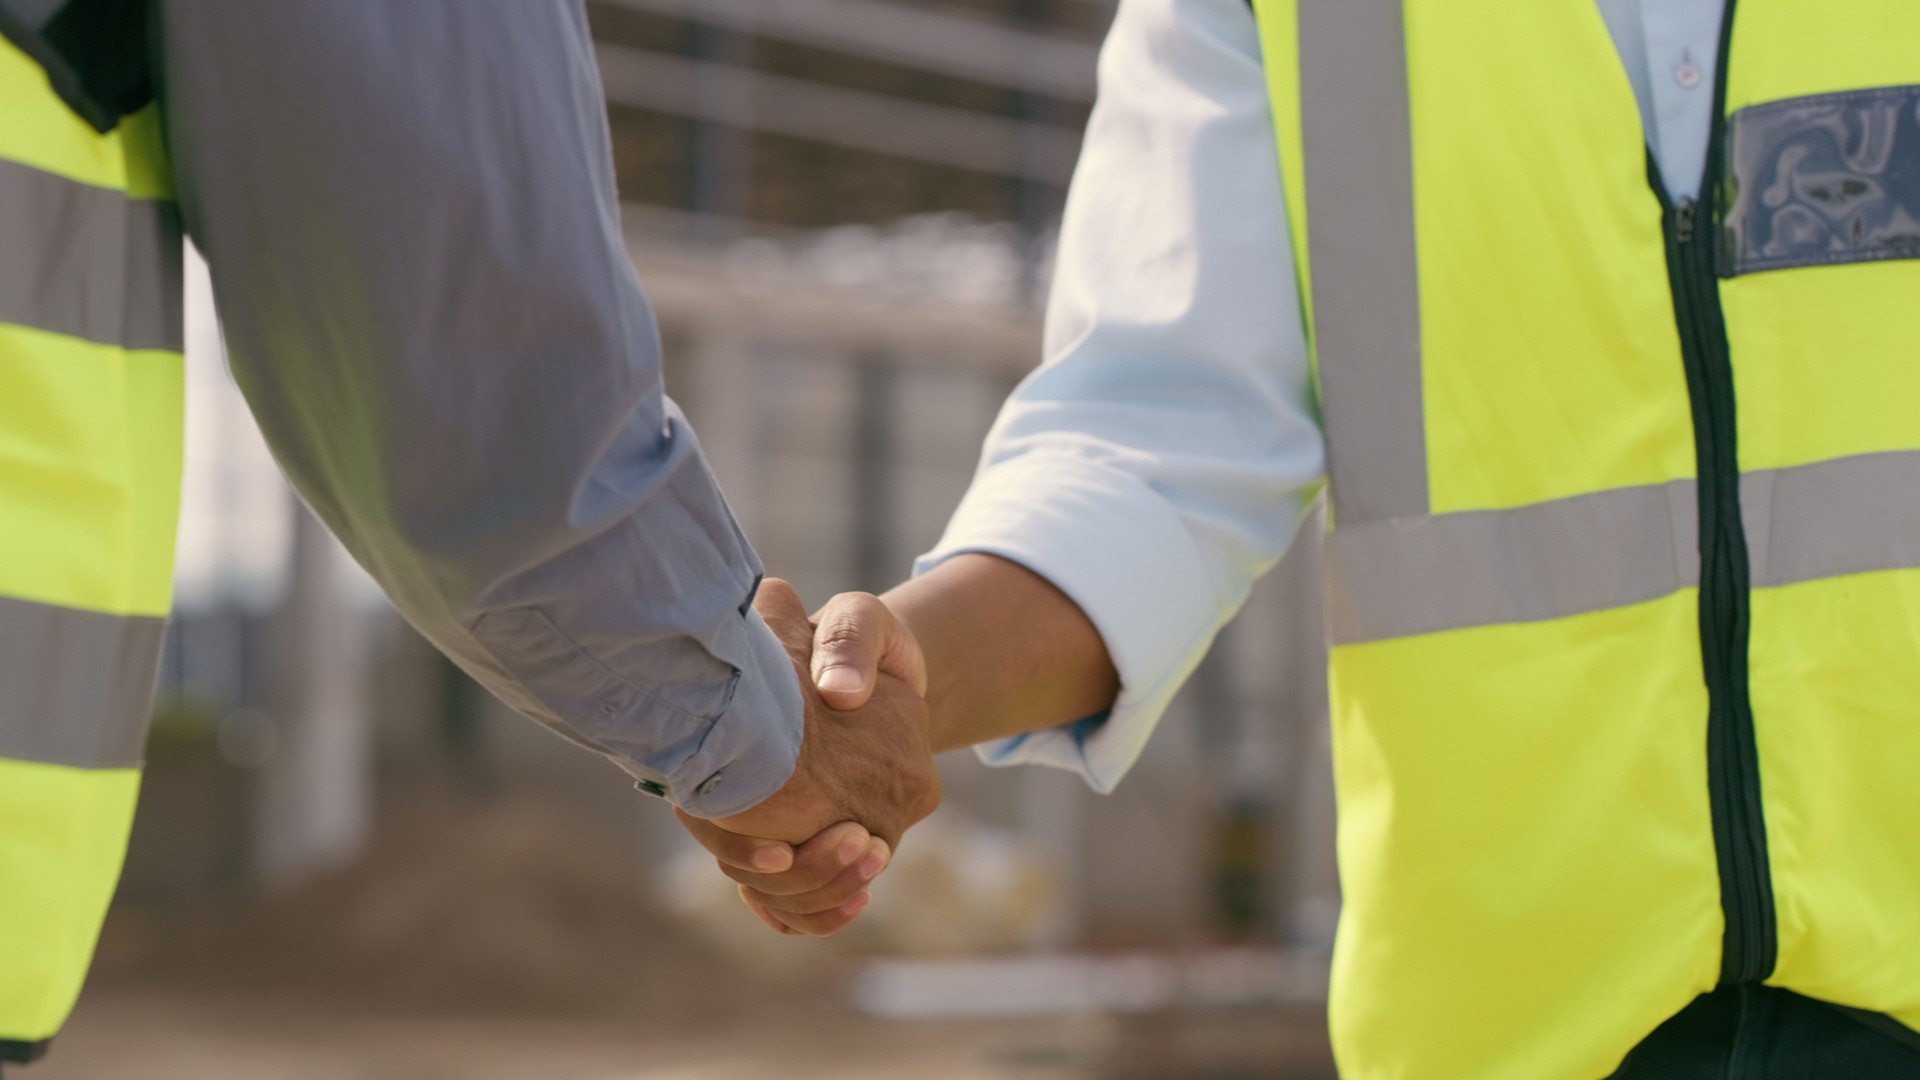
(856, 637)
(834, 893)
(762, 914)
(826, 923)
(744, 853)
(816, 863)
(785, 615)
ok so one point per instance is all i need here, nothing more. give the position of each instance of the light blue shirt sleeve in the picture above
(1157, 462)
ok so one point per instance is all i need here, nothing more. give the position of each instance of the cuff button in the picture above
(710, 784)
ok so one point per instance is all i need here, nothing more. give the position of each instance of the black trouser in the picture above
(1760, 1033)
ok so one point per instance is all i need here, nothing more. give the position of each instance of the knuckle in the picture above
(819, 925)
(805, 877)
(850, 617)
(920, 785)
(760, 882)
(855, 602)
(805, 905)
(840, 635)
(772, 884)
(793, 883)
(835, 894)
(817, 876)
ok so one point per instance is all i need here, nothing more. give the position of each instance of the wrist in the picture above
(1006, 651)
(927, 617)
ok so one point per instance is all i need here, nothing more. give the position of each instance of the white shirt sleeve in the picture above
(1157, 462)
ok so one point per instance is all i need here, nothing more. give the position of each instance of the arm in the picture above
(1014, 653)
(1137, 484)
(410, 216)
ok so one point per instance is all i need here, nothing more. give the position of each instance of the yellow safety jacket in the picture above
(1624, 586)
(90, 450)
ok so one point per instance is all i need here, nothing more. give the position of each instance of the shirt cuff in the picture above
(751, 750)
(1117, 549)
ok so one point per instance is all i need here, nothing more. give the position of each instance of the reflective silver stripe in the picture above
(1390, 579)
(1356, 135)
(76, 687)
(1850, 515)
(89, 261)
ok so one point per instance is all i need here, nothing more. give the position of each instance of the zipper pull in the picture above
(1683, 220)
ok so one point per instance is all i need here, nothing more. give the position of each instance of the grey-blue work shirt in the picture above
(410, 217)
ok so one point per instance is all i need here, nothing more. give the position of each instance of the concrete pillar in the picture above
(716, 386)
(1053, 810)
(720, 166)
(874, 448)
(314, 795)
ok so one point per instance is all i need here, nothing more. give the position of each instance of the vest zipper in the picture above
(1733, 769)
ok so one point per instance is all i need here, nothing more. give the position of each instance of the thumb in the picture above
(856, 638)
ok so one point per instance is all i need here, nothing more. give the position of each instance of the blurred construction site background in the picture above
(352, 863)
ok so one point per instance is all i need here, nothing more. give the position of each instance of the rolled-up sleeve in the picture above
(1157, 462)
(410, 217)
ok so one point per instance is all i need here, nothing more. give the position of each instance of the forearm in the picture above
(1006, 651)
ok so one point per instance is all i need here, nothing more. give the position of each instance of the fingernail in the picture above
(841, 680)
(856, 905)
(773, 859)
(849, 850)
(876, 860)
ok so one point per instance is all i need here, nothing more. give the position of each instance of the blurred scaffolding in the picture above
(842, 211)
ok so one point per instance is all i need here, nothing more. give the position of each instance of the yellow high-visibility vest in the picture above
(1624, 572)
(91, 386)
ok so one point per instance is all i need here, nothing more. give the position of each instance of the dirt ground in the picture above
(151, 1035)
(502, 942)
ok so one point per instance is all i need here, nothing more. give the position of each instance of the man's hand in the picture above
(863, 777)
(1000, 650)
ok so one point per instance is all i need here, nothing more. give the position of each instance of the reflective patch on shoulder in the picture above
(1824, 181)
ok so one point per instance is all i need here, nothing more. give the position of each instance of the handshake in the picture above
(804, 857)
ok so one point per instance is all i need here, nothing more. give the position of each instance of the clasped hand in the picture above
(804, 857)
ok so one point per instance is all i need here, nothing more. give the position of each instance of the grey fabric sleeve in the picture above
(410, 215)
